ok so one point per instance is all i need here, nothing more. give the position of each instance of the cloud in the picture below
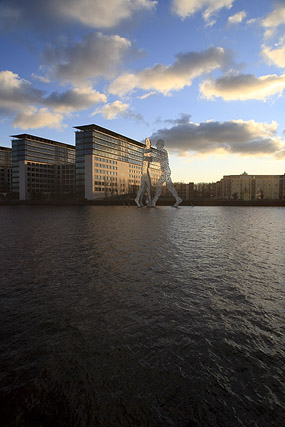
(168, 78)
(111, 111)
(279, 155)
(147, 95)
(185, 8)
(33, 108)
(243, 87)
(16, 93)
(40, 78)
(115, 109)
(31, 118)
(237, 18)
(52, 13)
(251, 21)
(275, 56)
(274, 20)
(74, 99)
(231, 137)
(103, 14)
(96, 55)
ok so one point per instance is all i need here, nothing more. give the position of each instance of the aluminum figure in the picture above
(161, 156)
(145, 179)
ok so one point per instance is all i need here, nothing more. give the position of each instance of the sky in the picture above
(207, 76)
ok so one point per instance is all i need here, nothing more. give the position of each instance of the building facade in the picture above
(5, 171)
(108, 164)
(41, 167)
(251, 187)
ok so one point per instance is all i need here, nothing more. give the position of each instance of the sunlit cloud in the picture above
(279, 155)
(185, 8)
(111, 111)
(275, 56)
(16, 93)
(96, 55)
(237, 18)
(274, 20)
(243, 87)
(147, 95)
(117, 109)
(94, 14)
(41, 79)
(32, 108)
(230, 137)
(167, 78)
(33, 118)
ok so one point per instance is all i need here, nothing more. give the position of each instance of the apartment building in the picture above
(5, 171)
(41, 167)
(107, 163)
(250, 187)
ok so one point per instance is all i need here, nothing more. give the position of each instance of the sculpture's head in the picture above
(160, 144)
(147, 143)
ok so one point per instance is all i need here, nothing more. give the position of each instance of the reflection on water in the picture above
(154, 317)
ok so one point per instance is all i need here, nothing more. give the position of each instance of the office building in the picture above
(108, 164)
(42, 168)
(5, 171)
(250, 187)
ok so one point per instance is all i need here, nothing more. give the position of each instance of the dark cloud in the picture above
(33, 108)
(53, 14)
(74, 99)
(16, 93)
(94, 56)
(236, 136)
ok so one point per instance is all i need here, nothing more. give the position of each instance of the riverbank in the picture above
(131, 202)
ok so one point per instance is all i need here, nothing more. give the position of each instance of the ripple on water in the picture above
(153, 317)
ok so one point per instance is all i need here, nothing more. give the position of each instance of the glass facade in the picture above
(46, 166)
(5, 170)
(116, 161)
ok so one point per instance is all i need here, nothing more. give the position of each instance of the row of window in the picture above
(112, 184)
(100, 165)
(106, 178)
(106, 172)
(101, 159)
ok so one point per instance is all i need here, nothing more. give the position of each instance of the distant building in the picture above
(282, 187)
(41, 167)
(251, 187)
(107, 163)
(5, 171)
(184, 190)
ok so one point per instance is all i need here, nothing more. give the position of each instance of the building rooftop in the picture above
(40, 139)
(5, 149)
(108, 132)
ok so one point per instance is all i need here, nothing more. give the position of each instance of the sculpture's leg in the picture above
(148, 188)
(158, 189)
(140, 194)
(172, 190)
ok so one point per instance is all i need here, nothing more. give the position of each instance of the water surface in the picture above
(114, 316)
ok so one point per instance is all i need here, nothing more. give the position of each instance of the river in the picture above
(118, 316)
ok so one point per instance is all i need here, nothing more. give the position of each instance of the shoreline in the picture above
(130, 202)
